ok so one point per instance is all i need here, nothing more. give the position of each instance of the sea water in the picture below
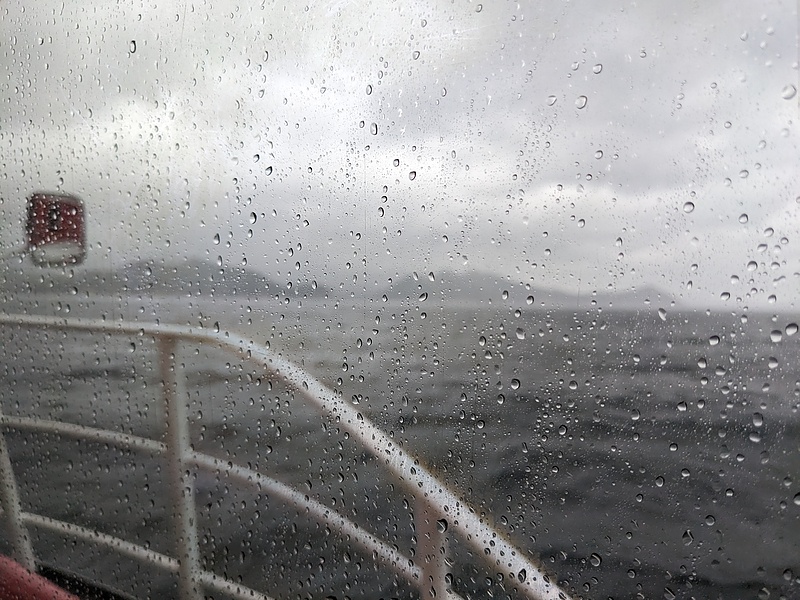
(637, 454)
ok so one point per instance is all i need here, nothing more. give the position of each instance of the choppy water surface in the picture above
(638, 454)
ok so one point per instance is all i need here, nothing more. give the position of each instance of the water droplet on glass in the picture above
(268, 171)
(713, 340)
(253, 217)
(441, 525)
(773, 362)
(216, 238)
(423, 296)
(775, 336)
(479, 8)
(791, 329)
(132, 47)
(415, 54)
(529, 299)
(743, 218)
(515, 383)
(789, 92)
(412, 175)
(662, 313)
(595, 559)
(369, 90)
(710, 520)
(581, 102)
(520, 333)
(688, 538)
(597, 69)
(373, 128)
(752, 265)
(551, 100)
(744, 173)
(688, 207)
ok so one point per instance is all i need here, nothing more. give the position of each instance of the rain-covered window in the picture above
(400, 299)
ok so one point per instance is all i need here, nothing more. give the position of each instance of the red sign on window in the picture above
(56, 229)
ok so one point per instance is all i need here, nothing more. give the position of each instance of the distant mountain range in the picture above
(480, 288)
(189, 278)
(201, 278)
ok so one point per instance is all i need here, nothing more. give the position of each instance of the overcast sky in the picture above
(554, 143)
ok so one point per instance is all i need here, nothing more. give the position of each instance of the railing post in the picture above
(431, 550)
(9, 500)
(179, 475)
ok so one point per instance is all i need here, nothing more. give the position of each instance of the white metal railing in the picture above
(433, 499)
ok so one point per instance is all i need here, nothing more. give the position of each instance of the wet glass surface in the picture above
(547, 250)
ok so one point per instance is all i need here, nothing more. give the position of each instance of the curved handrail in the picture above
(496, 551)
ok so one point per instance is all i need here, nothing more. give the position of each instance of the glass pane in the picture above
(547, 250)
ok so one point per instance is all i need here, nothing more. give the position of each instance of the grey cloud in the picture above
(172, 143)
